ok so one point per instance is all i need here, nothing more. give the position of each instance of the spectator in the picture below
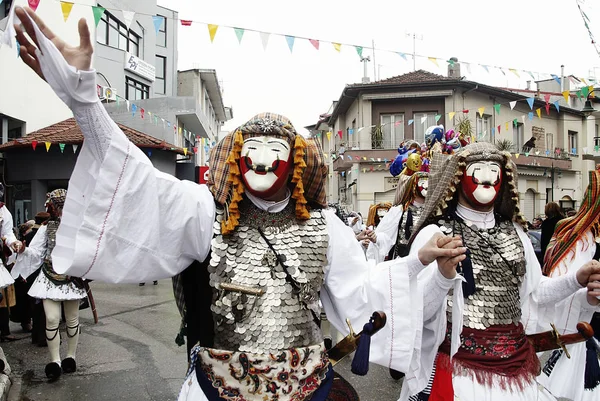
(553, 215)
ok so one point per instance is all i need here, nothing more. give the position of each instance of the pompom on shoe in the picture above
(53, 371)
(69, 365)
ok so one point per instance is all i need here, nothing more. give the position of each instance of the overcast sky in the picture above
(526, 35)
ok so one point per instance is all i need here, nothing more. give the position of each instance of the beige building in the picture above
(362, 130)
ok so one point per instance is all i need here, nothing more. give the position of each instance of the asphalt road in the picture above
(131, 353)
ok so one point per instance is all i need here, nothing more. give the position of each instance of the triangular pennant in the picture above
(585, 91)
(512, 104)
(493, 131)
(451, 115)
(18, 49)
(547, 97)
(66, 9)
(548, 109)
(497, 108)
(485, 67)
(539, 112)
(264, 38)
(328, 135)
(437, 118)
(480, 111)
(127, 103)
(98, 12)
(128, 17)
(315, 43)
(402, 55)
(290, 41)
(410, 122)
(186, 22)
(530, 115)
(530, 74)
(506, 125)
(578, 93)
(48, 144)
(158, 21)
(212, 31)
(515, 122)
(337, 47)
(433, 60)
(423, 119)
(185, 151)
(33, 4)
(566, 96)
(465, 111)
(530, 101)
(517, 155)
(75, 146)
(557, 106)
(62, 147)
(514, 72)
(359, 50)
(499, 129)
(591, 91)
(34, 144)
(556, 78)
(340, 133)
(239, 33)
(118, 100)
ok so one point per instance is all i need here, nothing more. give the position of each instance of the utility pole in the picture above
(415, 36)
(374, 63)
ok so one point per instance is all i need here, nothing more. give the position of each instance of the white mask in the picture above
(264, 164)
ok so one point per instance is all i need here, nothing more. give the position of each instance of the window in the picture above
(518, 136)
(549, 141)
(161, 36)
(114, 33)
(392, 132)
(572, 142)
(135, 90)
(482, 127)
(160, 83)
(420, 127)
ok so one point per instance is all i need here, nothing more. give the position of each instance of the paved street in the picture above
(131, 353)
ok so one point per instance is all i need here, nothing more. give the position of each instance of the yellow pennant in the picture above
(514, 72)
(337, 46)
(185, 151)
(212, 31)
(433, 60)
(517, 155)
(48, 145)
(326, 155)
(180, 130)
(591, 89)
(507, 126)
(66, 9)
(364, 158)
(539, 112)
(451, 115)
(481, 110)
(566, 96)
(328, 135)
(584, 81)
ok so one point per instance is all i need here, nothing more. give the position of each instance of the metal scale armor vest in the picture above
(498, 260)
(58, 279)
(279, 318)
(402, 247)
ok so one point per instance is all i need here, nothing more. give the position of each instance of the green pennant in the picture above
(451, 62)
(239, 32)
(515, 122)
(98, 12)
(497, 108)
(585, 91)
(437, 117)
(578, 93)
(62, 147)
(359, 50)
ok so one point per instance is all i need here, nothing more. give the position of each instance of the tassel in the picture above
(360, 362)
(592, 367)
(467, 272)
(408, 225)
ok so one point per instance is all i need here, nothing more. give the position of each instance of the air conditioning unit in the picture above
(106, 93)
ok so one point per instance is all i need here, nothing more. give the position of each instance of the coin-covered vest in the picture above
(402, 248)
(58, 279)
(258, 309)
(498, 260)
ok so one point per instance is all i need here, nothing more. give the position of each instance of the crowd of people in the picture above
(257, 255)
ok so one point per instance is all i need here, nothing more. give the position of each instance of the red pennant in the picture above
(315, 43)
(142, 112)
(371, 168)
(34, 144)
(186, 22)
(499, 129)
(340, 133)
(548, 108)
(33, 4)
(547, 97)
(466, 111)
(195, 149)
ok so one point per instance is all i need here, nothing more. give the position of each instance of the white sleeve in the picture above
(355, 288)
(32, 257)
(386, 232)
(7, 226)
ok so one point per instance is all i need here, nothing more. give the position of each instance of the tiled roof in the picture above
(68, 132)
(414, 77)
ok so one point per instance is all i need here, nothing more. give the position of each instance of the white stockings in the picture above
(52, 309)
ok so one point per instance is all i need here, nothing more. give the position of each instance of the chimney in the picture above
(454, 68)
(528, 85)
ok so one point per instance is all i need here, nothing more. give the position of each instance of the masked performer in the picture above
(9, 239)
(474, 344)
(573, 245)
(273, 250)
(53, 288)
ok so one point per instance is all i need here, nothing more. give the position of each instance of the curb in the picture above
(5, 382)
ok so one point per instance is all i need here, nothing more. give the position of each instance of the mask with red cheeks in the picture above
(265, 165)
(481, 183)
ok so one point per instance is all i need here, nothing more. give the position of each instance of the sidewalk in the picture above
(5, 381)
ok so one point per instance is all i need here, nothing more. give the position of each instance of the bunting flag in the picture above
(585, 91)
(485, 67)
(556, 78)
(186, 22)
(517, 155)
(539, 112)
(158, 22)
(340, 133)
(62, 147)
(506, 126)
(531, 74)
(264, 38)
(133, 109)
(514, 72)
(397, 123)
(499, 129)
(212, 31)
(433, 60)
(480, 111)
(493, 131)
(18, 49)
(402, 55)
(185, 151)
(98, 13)
(557, 106)
(437, 117)
(512, 104)
(591, 91)
(451, 115)
(530, 115)
(33, 4)
(337, 47)
(48, 144)
(497, 108)
(195, 149)
(328, 135)
(516, 122)
(410, 122)
(465, 111)
(566, 96)
(239, 33)
(75, 146)
(548, 109)
(315, 43)
(547, 97)
(34, 144)
(66, 8)
(530, 101)
(423, 119)
(290, 42)
(350, 131)
(142, 112)
(127, 103)
(128, 17)
(359, 50)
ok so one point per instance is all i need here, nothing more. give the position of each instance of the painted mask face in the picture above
(481, 182)
(265, 165)
(422, 184)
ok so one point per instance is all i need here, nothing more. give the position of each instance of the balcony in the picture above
(542, 161)
(592, 153)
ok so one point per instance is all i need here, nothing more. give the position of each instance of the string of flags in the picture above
(239, 32)
(586, 22)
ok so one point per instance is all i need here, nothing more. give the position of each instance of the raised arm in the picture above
(32, 256)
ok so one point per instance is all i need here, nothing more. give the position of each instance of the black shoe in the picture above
(2, 366)
(142, 284)
(328, 343)
(69, 365)
(155, 282)
(53, 371)
(396, 375)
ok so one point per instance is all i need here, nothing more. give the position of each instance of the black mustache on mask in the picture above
(261, 168)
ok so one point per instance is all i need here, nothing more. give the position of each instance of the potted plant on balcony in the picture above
(377, 137)
(505, 145)
(465, 127)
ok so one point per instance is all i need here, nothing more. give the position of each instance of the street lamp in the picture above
(588, 109)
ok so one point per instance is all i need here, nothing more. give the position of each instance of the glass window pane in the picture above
(161, 36)
(160, 67)
(122, 42)
(113, 36)
(101, 32)
(134, 49)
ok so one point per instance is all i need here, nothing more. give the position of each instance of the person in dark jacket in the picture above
(553, 215)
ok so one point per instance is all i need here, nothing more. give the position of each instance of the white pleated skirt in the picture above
(5, 277)
(43, 288)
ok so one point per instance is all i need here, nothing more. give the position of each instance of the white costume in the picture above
(6, 220)
(386, 233)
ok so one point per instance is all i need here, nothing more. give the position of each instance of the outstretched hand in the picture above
(589, 276)
(79, 57)
(448, 251)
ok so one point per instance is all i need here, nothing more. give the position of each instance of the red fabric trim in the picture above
(442, 388)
